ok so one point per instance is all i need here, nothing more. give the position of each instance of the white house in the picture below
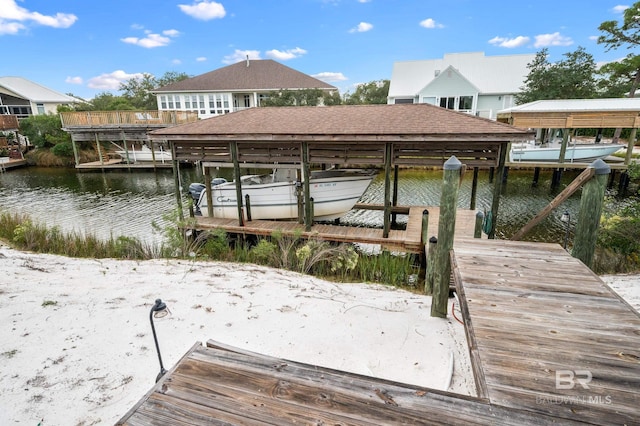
(23, 98)
(468, 82)
(234, 87)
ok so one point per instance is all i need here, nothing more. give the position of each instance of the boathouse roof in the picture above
(373, 122)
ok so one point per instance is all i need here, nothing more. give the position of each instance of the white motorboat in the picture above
(145, 154)
(275, 196)
(529, 151)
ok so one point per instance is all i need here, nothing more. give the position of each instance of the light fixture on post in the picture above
(158, 310)
(566, 219)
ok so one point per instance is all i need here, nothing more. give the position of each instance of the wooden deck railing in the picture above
(126, 118)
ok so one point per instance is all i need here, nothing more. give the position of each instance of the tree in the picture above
(620, 78)
(287, 97)
(138, 90)
(374, 92)
(44, 130)
(626, 35)
(570, 78)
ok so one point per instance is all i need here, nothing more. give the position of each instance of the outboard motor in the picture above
(195, 189)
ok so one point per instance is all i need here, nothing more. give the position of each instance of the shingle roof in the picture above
(264, 74)
(346, 120)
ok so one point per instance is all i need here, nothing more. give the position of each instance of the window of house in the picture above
(449, 103)
(170, 101)
(247, 101)
(163, 102)
(403, 101)
(40, 108)
(178, 99)
(466, 102)
(187, 102)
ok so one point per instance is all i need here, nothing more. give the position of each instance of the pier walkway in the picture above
(546, 334)
(408, 240)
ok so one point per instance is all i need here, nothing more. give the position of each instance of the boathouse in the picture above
(385, 136)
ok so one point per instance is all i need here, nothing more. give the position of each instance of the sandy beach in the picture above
(77, 348)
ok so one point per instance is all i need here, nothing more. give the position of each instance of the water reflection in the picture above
(126, 203)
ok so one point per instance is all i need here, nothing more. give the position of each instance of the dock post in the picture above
(431, 257)
(394, 201)
(207, 188)
(175, 165)
(247, 202)
(477, 230)
(446, 227)
(423, 241)
(474, 189)
(536, 177)
(586, 232)
(237, 178)
(388, 151)
(306, 176)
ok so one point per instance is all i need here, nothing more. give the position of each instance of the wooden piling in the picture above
(207, 188)
(423, 241)
(446, 227)
(431, 257)
(477, 230)
(474, 189)
(586, 233)
(237, 178)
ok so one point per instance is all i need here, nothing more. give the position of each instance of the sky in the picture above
(87, 47)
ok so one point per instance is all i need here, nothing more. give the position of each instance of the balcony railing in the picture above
(126, 118)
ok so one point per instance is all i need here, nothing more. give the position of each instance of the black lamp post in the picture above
(566, 218)
(158, 310)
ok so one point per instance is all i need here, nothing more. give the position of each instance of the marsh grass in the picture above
(336, 262)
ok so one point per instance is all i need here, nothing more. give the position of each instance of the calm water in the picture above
(127, 203)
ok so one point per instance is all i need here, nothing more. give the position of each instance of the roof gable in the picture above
(445, 78)
(490, 74)
(265, 74)
(34, 92)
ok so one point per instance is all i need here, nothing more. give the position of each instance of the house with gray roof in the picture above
(235, 87)
(23, 98)
(468, 82)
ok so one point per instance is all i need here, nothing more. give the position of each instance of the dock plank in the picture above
(221, 385)
(534, 316)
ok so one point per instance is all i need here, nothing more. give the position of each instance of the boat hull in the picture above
(145, 155)
(574, 153)
(333, 195)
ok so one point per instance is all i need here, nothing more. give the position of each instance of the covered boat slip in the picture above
(384, 136)
(570, 114)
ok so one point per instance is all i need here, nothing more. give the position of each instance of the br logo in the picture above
(567, 379)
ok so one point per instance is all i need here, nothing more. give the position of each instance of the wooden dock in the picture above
(407, 240)
(546, 334)
(221, 385)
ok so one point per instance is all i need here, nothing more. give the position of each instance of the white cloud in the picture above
(201, 59)
(620, 8)
(14, 17)
(285, 55)
(176, 62)
(73, 80)
(330, 76)
(241, 55)
(510, 43)
(152, 40)
(362, 27)
(430, 23)
(204, 10)
(593, 38)
(364, 1)
(111, 81)
(555, 39)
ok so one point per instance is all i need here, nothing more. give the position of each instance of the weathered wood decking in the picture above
(219, 385)
(546, 334)
(406, 241)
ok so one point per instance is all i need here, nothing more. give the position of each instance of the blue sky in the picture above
(86, 47)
